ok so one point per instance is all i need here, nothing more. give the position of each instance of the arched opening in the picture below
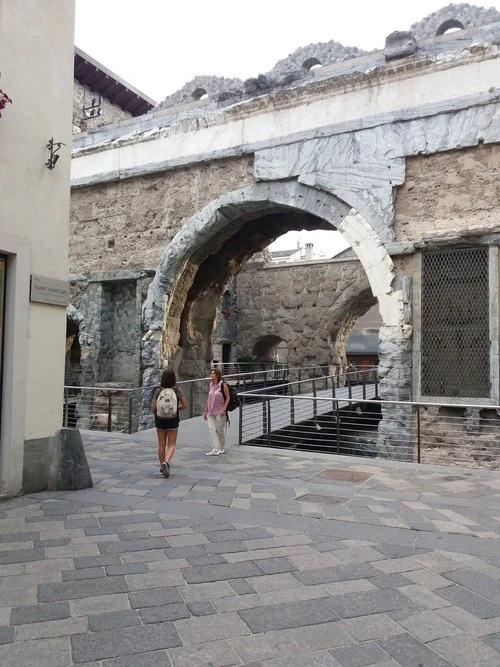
(265, 348)
(199, 94)
(451, 25)
(211, 249)
(311, 63)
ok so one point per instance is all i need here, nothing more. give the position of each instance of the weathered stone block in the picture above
(69, 469)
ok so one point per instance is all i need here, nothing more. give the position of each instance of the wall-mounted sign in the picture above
(48, 290)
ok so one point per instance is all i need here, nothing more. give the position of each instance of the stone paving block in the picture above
(113, 619)
(464, 651)
(73, 550)
(323, 659)
(186, 552)
(187, 540)
(154, 598)
(273, 582)
(314, 560)
(288, 615)
(396, 565)
(56, 542)
(73, 590)
(359, 655)
(149, 659)
(321, 636)
(263, 543)
(477, 582)
(123, 641)
(371, 602)
(143, 556)
(39, 612)
(494, 641)
(128, 568)
(471, 602)
(376, 626)
(202, 608)
(27, 536)
(30, 580)
(133, 545)
(22, 555)
(166, 564)
(428, 579)
(424, 597)
(327, 575)
(6, 635)
(238, 557)
(197, 630)
(208, 559)
(241, 586)
(83, 573)
(210, 591)
(220, 572)
(296, 594)
(96, 561)
(123, 519)
(168, 612)
(99, 605)
(409, 652)
(390, 581)
(42, 653)
(47, 629)
(14, 597)
(218, 654)
(427, 626)
(346, 587)
(275, 565)
(359, 555)
(141, 582)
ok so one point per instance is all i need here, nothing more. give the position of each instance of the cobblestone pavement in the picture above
(256, 557)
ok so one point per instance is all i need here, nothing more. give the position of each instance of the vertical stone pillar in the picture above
(395, 439)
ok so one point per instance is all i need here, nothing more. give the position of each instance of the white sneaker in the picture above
(222, 451)
(212, 453)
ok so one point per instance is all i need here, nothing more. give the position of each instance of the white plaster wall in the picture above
(36, 63)
(423, 88)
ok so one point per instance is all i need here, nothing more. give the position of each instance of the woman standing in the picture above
(215, 412)
(167, 401)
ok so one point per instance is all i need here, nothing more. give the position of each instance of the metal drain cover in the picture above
(343, 475)
(320, 500)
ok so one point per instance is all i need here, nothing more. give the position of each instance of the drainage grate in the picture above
(343, 475)
(321, 500)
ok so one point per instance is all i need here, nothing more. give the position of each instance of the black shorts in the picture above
(167, 424)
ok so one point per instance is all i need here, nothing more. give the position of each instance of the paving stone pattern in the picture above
(225, 563)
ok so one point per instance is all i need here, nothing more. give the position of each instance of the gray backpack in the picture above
(166, 404)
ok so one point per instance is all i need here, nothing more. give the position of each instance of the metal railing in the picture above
(112, 407)
(352, 424)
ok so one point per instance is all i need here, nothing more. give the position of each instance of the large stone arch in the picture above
(168, 312)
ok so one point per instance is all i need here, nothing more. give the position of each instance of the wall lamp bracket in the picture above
(54, 148)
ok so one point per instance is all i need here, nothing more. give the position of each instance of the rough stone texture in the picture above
(307, 305)
(191, 91)
(110, 113)
(468, 15)
(69, 470)
(449, 195)
(141, 216)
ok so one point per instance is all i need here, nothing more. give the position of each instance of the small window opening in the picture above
(111, 243)
(452, 25)
(199, 94)
(311, 63)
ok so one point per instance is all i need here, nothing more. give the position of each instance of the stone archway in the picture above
(202, 258)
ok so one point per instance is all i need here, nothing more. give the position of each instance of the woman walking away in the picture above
(167, 401)
(215, 412)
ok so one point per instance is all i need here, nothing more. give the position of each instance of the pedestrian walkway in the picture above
(255, 557)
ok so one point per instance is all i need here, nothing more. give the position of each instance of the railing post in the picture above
(418, 435)
(292, 412)
(268, 422)
(315, 402)
(130, 407)
(240, 425)
(264, 418)
(66, 406)
(363, 380)
(333, 386)
(109, 412)
(349, 387)
(191, 400)
(337, 416)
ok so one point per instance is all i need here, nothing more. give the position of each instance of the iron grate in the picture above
(343, 475)
(455, 323)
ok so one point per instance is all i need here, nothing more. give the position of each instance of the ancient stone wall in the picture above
(311, 306)
(110, 113)
(128, 224)
(449, 194)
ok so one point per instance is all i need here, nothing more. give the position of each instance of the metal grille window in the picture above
(455, 323)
